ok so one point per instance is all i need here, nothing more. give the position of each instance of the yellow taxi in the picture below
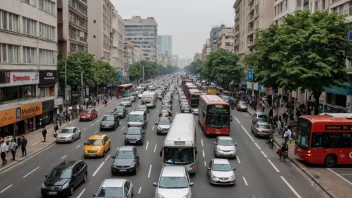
(96, 146)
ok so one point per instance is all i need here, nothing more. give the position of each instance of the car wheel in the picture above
(126, 143)
(135, 171)
(104, 154)
(71, 191)
(72, 139)
(79, 136)
(85, 178)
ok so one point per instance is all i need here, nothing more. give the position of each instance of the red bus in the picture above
(324, 139)
(188, 87)
(214, 115)
(124, 90)
(185, 80)
(193, 99)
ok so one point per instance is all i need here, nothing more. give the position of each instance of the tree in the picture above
(104, 72)
(307, 51)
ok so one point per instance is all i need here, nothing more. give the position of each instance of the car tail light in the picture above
(258, 131)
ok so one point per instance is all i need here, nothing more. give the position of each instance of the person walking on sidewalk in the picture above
(288, 134)
(44, 132)
(3, 150)
(23, 146)
(56, 128)
(13, 148)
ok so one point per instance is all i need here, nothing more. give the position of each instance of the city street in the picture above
(259, 172)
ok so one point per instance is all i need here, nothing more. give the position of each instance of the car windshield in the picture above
(85, 112)
(195, 100)
(221, 167)
(133, 131)
(243, 104)
(94, 142)
(61, 173)
(165, 108)
(141, 107)
(218, 116)
(174, 155)
(164, 122)
(135, 117)
(264, 126)
(225, 142)
(125, 155)
(263, 117)
(173, 182)
(110, 192)
(66, 131)
(118, 109)
(108, 118)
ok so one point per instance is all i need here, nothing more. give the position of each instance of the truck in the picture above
(149, 99)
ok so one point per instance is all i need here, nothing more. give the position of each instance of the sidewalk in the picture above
(35, 142)
(329, 182)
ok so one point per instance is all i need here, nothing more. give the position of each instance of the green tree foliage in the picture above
(307, 50)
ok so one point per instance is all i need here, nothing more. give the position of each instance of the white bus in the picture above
(180, 143)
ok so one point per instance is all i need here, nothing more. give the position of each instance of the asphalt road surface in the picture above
(259, 172)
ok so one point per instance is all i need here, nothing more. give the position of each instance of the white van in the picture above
(149, 99)
(138, 119)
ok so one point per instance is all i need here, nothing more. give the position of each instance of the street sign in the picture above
(260, 87)
(350, 35)
(250, 75)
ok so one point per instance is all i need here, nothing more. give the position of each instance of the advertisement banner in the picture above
(31, 110)
(47, 77)
(20, 78)
(4, 77)
(7, 117)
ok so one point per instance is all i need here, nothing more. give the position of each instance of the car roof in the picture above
(173, 171)
(262, 122)
(107, 115)
(164, 118)
(134, 127)
(96, 137)
(66, 164)
(137, 112)
(221, 161)
(113, 183)
(224, 138)
(260, 113)
(126, 148)
(70, 127)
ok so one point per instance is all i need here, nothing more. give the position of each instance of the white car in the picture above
(68, 134)
(220, 172)
(224, 147)
(127, 102)
(140, 96)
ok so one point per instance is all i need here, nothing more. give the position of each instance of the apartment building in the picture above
(225, 39)
(163, 59)
(72, 26)
(214, 32)
(165, 44)
(28, 65)
(206, 49)
(117, 47)
(143, 33)
(132, 53)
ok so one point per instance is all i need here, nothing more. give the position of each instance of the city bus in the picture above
(189, 86)
(324, 139)
(124, 90)
(186, 80)
(180, 143)
(193, 99)
(214, 115)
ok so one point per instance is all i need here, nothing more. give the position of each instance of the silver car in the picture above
(127, 102)
(220, 172)
(68, 134)
(132, 98)
(242, 106)
(261, 128)
(119, 188)
(163, 126)
(224, 147)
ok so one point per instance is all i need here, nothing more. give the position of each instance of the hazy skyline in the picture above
(189, 22)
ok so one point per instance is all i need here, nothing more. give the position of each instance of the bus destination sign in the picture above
(179, 143)
(338, 127)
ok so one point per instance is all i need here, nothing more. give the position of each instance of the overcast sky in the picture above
(188, 21)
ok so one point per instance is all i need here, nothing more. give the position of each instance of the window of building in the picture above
(29, 27)
(9, 53)
(17, 93)
(46, 57)
(47, 6)
(9, 21)
(46, 31)
(29, 55)
(73, 47)
(31, 2)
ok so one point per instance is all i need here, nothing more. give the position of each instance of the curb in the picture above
(39, 150)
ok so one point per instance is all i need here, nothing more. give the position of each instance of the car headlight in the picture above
(133, 164)
(232, 176)
(214, 177)
(218, 149)
(159, 128)
(160, 196)
(65, 185)
(43, 185)
(99, 150)
(187, 196)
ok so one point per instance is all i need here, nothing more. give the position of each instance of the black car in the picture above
(120, 111)
(64, 178)
(126, 160)
(109, 122)
(134, 135)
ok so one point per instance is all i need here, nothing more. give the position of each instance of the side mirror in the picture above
(161, 153)
(143, 132)
(94, 195)
(46, 175)
(113, 157)
(191, 184)
(137, 156)
(75, 175)
(235, 144)
(215, 143)
(156, 123)
(124, 133)
(85, 143)
(234, 169)
(155, 184)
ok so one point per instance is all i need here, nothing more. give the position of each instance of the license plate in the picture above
(91, 154)
(132, 141)
(52, 193)
(122, 170)
(223, 181)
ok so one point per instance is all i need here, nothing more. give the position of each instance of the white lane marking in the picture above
(205, 163)
(237, 120)
(96, 132)
(203, 154)
(292, 189)
(64, 157)
(5, 188)
(96, 171)
(257, 146)
(340, 176)
(84, 129)
(264, 154)
(150, 170)
(78, 146)
(153, 128)
(92, 125)
(107, 157)
(345, 174)
(36, 143)
(277, 170)
(146, 147)
(238, 159)
(80, 194)
(247, 133)
(123, 128)
(245, 181)
(30, 172)
(140, 189)
(201, 140)
(155, 148)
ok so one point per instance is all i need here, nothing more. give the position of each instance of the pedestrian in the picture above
(44, 132)
(3, 150)
(13, 148)
(56, 128)
(23, 146)
(288, 134)
(278, 125)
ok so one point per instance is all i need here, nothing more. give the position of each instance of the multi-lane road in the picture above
(259, 172)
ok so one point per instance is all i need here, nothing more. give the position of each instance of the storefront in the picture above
(47, 81)
(48, 113)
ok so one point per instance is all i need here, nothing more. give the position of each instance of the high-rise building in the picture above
(143, 33)
(132, 53)
(72, 24)
(117, 47)
(28, 71)
(175, 60)
(163, 59)
(225, 39)
(214, 36)
(165, 44)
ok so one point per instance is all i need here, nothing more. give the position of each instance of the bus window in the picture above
(303, 133)
(179, 155)
(217, 120)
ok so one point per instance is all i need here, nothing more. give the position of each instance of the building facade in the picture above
(206, 50)
(175, 60)
(197, 56)
(28, 66)
(214, 32)
(163, 59)
(117, 48)
(132, 53)
(225, 39)
(143, 33)
(72, 26)
(165, 44)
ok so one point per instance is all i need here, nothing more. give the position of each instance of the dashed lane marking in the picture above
(155, 148)
(245, 181)
(238, 159)
(201, 140)
(5, 189)
(203, 154)
(146, 148)
(272, 164)
(64, 156)
(78, 146)
(30, 172)
(237, 120)
(96, 132)
(123, 128)
(96, 171)
(205, 163)
(264, 154)
(140, 189)
(339, 175)
(150, 170)
(292, 189)
(153, 128)
(107, 157)
(80, 194)
(257, 146)
(247, 133)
